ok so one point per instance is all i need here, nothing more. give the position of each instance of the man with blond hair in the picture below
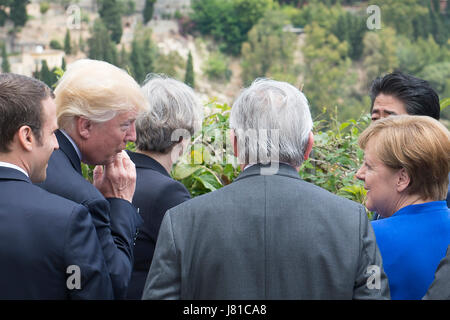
(97, 105)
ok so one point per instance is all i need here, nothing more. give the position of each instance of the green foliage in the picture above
(110, 12)
(45, 75)
(18, 12)
(171, 64)
(148, 10)
(209, 164)
(6, 67)
(380, 53)
(189, 78)
(101, 47)
(216, 67)
(324, 15)
(326, 69)
(43, 7)
(55, 44)
(63, 64)
(269, 50)
(351, 28)
(67, 44)
(228, 21)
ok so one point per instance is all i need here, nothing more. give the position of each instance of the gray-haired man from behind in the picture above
(269, 234)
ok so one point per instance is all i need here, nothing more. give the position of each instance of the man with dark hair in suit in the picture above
(399, 93)
(49, 248)
(97, 105)
(267, 235)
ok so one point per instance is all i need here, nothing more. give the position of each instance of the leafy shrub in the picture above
(55, 44)
(216, 67)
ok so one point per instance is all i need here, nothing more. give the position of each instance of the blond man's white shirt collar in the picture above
(13, 166)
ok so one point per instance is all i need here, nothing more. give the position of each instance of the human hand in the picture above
(117, 179)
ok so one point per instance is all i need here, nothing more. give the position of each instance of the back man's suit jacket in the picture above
(41, 236)
(266, 237)
(115, 220)
(156, 192)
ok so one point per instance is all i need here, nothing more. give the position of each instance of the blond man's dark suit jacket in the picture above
(267, 237)
(115, 220)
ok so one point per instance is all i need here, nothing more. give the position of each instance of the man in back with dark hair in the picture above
(399, 93)
(49, 247)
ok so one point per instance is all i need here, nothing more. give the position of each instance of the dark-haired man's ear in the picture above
(25, 137)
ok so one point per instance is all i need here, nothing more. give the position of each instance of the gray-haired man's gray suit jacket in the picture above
(267, 237)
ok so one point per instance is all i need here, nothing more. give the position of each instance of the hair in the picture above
(20, 105)
(97, 91)
(272, 122)
(420, 145)
(416, 94)
(173, 106)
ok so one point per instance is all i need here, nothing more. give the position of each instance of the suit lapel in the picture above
(66, 146)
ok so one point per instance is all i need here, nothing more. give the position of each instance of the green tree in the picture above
(137, 63)
(148, 10)
(5, 63)
(326, 67)
(269, 50)
(414, 56)
(189, 77)
(351, 28)
(380, 53)
(47, 76)
(63, 64)
(18, 12)
(110, 12)
(171, 64)
(124, 60)
(216, 67)
(67, 44)
(228, 21)
(101, 47)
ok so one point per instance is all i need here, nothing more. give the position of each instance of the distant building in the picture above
(28, 62)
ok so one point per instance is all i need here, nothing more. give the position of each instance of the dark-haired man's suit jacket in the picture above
(43, 239)
(440, 288)
(156, 192)
(267, 237)
(115, 220)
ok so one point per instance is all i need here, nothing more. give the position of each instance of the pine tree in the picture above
(5, 63)
(110, 13)
(101, 47)
(148, 10)
(63, 64)
(124, 61)
(46, 76)
(67, 44)
(136, 61)
(189, 78)
(147, 57)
